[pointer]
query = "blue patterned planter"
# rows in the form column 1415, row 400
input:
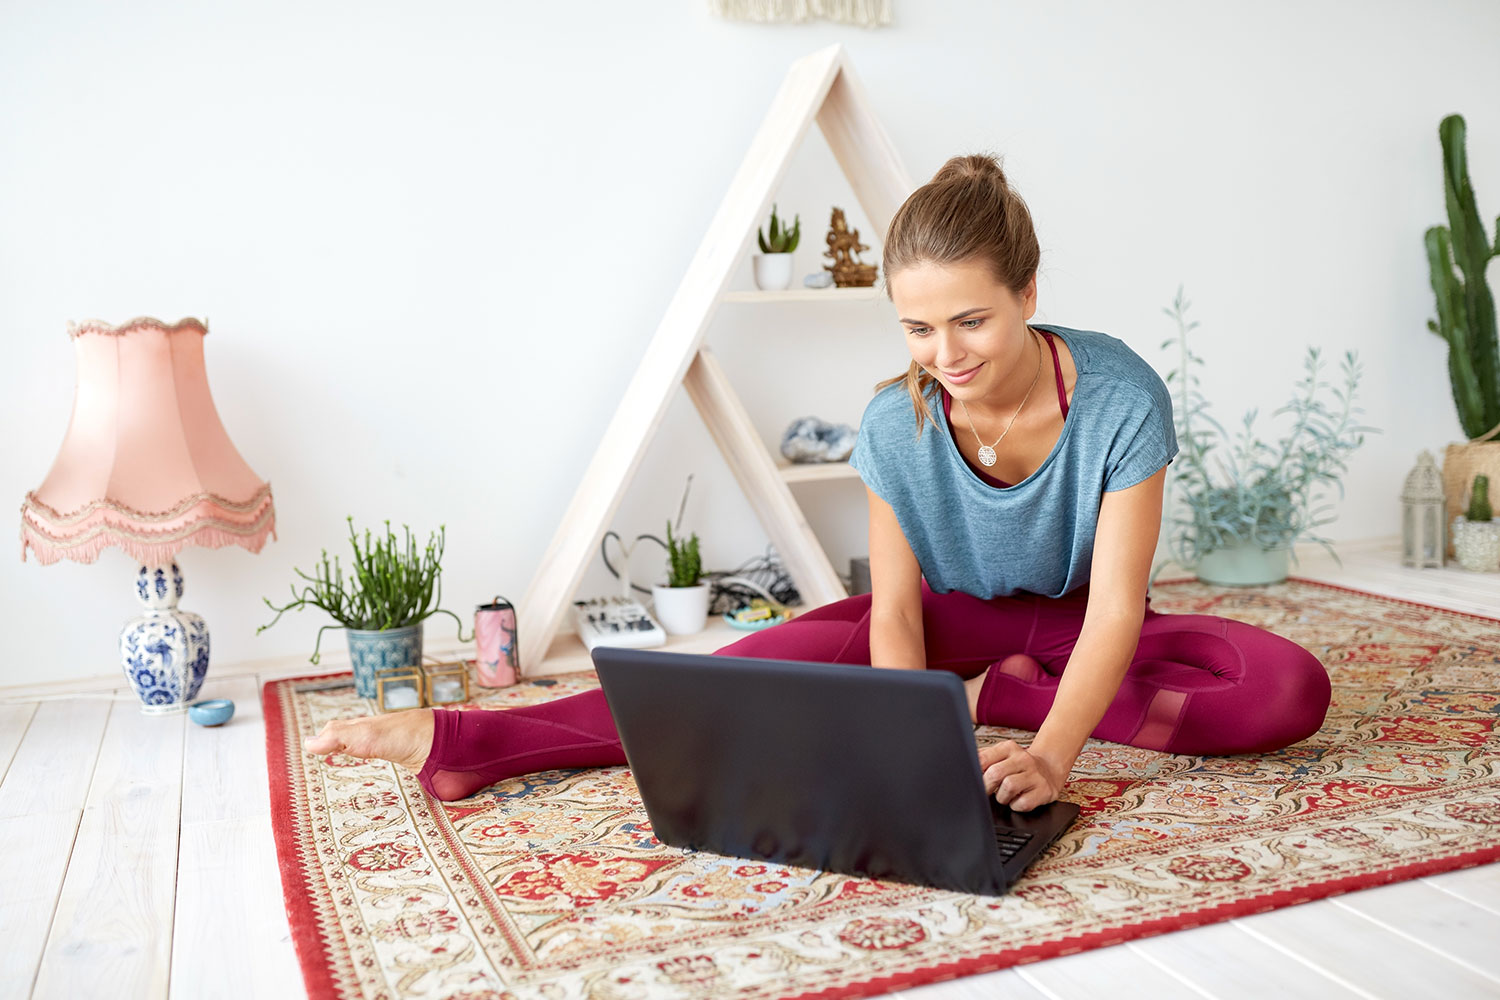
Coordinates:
column 164, row 652
column 374, row 650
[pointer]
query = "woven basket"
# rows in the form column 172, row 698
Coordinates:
column 1461, row 463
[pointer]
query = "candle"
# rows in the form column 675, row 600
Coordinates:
column 447, row 690
column 401, row 697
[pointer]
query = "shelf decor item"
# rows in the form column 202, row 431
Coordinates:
column 1476, row 536
column 773, row 265
column 1243, row 522
column 843, row 248
column 401, row 687
column 498, row 663
column 1466, row 320
column 1422, row 537
column 447, row 683
column 809, row 439
column 393, row 589
column 146, row 465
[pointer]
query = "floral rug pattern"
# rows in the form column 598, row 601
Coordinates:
column 552, row 886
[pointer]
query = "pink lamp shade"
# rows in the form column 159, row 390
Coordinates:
column 146, row 464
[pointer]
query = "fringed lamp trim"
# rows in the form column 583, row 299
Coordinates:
column 154, row 548
column 132, row 326
column 82, row 513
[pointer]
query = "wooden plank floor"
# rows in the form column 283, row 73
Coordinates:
column 145, row 868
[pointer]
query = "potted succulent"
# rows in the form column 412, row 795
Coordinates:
column 681, row 604
column 1476, row 537
column 393, row 588
column 1466, row 320
column 1244, row 517
column 773, row 265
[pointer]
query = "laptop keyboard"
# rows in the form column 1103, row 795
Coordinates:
column 1010, row 842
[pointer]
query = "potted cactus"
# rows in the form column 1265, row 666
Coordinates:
column 392, row 589
column 1457, row 255
column 773, row 265
column 681, row 603
column 1476, row 536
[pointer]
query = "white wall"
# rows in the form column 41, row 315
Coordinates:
column 433, row 241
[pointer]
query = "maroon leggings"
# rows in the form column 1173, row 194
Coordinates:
column 1197, row 684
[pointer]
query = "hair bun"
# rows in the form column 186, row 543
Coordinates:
column 974, row 166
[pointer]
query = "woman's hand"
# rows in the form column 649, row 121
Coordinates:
column 1019, row 778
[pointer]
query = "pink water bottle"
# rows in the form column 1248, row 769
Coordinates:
column 495, row 635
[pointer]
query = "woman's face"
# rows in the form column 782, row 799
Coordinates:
column 966, row 329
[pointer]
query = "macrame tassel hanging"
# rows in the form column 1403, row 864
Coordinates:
column 865, row 13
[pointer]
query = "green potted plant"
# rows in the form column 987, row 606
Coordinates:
column 681, row 604
column 1466, row 320
column 1244, row 517
column 1476, row 537
column 393, row 589
column 773, row 265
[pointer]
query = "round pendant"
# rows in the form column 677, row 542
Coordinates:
column 987, row 455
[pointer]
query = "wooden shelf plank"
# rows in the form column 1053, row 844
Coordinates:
column 805, row 295
column 816, row 472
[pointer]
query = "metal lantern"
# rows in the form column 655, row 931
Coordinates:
column 398, row 688
column 447, row 683
column 1422, row 519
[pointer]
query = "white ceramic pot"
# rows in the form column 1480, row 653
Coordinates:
column 681, row 610
column 773, row 271
column 1476, row 544
column 1244, row 564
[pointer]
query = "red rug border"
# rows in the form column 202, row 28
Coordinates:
column 308, row 939
column 312, row 944
column 1347, row 590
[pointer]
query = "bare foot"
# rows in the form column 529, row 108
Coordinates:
column 404, row 738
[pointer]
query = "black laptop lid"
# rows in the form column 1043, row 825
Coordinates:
column 843, row 768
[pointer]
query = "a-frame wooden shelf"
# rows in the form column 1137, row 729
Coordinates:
column 822, row 88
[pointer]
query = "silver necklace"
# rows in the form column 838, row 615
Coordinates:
column 987, row 451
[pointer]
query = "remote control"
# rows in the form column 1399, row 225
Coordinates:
column 616, row 621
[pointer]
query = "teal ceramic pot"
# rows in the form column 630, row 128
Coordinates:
column 1245, row 564
column 374, row 650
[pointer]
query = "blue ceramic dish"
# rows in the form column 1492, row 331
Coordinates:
column 214, row 712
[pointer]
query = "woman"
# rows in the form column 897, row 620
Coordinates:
column 1010, row 544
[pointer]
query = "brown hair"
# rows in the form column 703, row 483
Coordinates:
column 966, row 212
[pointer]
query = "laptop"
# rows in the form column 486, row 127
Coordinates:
column 829, row 766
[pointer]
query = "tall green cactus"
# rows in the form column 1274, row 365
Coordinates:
column 1465, row 307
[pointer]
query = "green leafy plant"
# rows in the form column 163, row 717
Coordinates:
column 1465, row 307
column 1479, row 500
column 783, row 239
column 1258, row 492
column 685, row 567
column 391, row 585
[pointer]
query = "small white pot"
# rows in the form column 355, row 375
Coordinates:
column 681, row 610
column 1477, row 544
column 773, row 271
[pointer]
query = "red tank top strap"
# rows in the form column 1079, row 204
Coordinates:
column 1062, row 392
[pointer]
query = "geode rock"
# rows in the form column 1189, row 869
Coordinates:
column 809, row 439
column 818, row 279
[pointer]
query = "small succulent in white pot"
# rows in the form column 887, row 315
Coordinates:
column 773, row 265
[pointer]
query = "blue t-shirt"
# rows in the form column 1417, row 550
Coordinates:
column 1038, row 535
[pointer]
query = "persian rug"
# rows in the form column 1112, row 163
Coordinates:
column 552, row 885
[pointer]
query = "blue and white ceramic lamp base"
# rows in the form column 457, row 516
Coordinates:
column 164, row 652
